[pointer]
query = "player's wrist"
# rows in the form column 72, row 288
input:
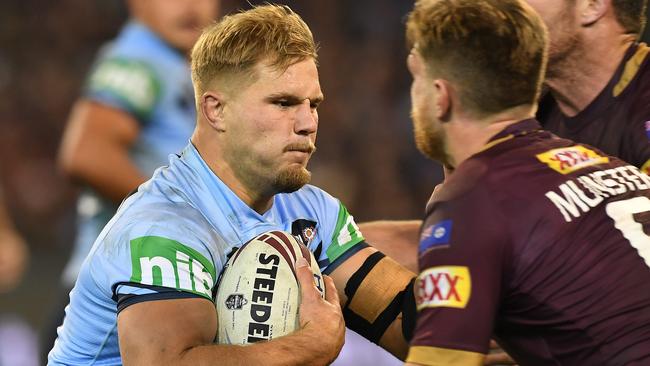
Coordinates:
column 318, row 345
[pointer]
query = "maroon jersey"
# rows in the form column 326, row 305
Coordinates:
column 541, row 242
column 618, row 120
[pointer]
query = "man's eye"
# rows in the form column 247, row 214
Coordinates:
column 282, row 103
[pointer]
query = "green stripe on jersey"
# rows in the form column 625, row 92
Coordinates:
column 164, row 262
column 132, row 82
column 346, row 234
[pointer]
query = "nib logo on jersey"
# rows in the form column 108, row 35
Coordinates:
column 445, row 286
column 159, row 261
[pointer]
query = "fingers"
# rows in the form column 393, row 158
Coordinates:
column 331, row 295
column 308, row 286
column 306, row 280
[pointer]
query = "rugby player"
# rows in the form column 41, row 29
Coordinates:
column 148, row 281
column 590, row 98
column 535, row 238
column 598, row 76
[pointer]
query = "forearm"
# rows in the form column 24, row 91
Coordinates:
column 393, row 340
column 294, row 349
column 376, row 295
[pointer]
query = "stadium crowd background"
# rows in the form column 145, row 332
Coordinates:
column 366, row 155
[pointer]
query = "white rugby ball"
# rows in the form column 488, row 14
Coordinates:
column 258, row 293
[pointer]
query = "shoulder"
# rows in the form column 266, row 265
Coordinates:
column 134, row 70
column 149, row 234
column 148, row 215
column 162, row 207
column 516, row 169
column 130, row 83
column 636, row 74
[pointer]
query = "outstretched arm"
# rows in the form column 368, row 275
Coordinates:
column 396, row 239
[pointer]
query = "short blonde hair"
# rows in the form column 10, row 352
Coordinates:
column 231, row 48
column 494, row 51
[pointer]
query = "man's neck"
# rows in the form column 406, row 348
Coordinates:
column 255, row 199
column 468, row 136
column 576, row 81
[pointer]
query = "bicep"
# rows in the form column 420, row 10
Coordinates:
column 161, row 331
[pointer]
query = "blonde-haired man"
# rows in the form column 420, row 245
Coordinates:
column 535, row 238
column 243, row 174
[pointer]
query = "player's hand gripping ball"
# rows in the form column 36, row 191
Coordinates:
column 258, row 295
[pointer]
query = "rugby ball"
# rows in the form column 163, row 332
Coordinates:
column 258, row 295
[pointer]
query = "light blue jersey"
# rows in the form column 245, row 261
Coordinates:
column 171, row 239
column 142, row 75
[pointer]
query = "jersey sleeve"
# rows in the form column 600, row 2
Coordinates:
column 157, row 259
column 126, row 84
column 461, row 255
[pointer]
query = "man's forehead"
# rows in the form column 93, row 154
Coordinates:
column 299, row 78
column 272, row 70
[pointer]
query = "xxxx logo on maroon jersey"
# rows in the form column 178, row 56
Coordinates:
column 445, row 286
column 569, row 159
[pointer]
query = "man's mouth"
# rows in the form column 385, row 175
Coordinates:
column 303, row 148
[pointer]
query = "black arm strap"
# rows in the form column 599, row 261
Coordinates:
column 409, row 311
column 401, row 302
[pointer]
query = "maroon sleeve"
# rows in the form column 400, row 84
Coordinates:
column 463, row 251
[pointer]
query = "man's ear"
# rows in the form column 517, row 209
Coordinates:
column 212, row 108
column 590, row 11
column 442, row 99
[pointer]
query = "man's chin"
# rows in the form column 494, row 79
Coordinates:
column 292, row 179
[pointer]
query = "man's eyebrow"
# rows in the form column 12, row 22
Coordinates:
column 294, row 98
